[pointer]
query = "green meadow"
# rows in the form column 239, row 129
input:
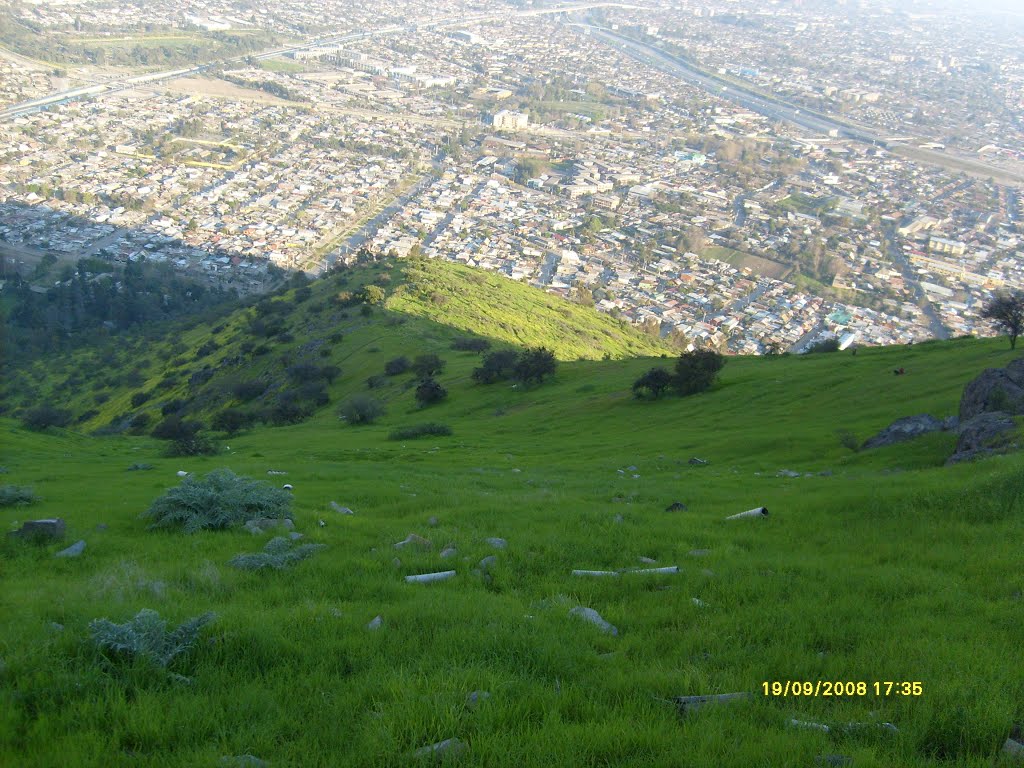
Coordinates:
column 873, row 566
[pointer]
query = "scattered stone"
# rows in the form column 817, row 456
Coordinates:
column 397, row 563
column 443, row 749
column 448, row 551
column 73, row 551
column 496, row 542
column 676, row 506
column 433, row 522
column 688, row 704
column 517, row 470
column 593, row 617
column 579, row 572
column 488, row 561
column 288, row 487
column 981, row 435
column 243, row 761
column 276, row 472
column 182, row 473
column 665, row 569
column 825, row 473
column 648, row 560
column 263, row 524
column 698, row 462
column 102, row 527
column 708, row 572
column 631, row 468
column 995, row 389
column 636, row 477
column 621, row 471
column 833, row 760
column 618, row 519
column 787, row 473
column 904, row 429
column 475, row 697
column 376, row 623
column 755, row 512
column 295, row 535
column 52, row 528
column 56, row 627
column 699, row 552
column 426, row 578
column 340, row 509
column 698, row 602
column 415, row 541
column 807, row 725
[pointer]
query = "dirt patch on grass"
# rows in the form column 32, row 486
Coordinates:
column 208, row 86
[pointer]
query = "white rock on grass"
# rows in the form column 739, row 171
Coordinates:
column 415, row 541
column 443, row 749
column 340, row 509
column 475, row 697
column 591, row 616
column 448, row 551
column 496, row 542
column 73, row 551
column 488, row 561
column 376, row 623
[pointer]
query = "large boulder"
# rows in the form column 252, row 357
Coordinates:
column 996, row 389
column 41, row 530
column 982, row 435
column 906, row 428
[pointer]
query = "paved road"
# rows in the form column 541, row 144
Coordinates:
column 910, row 278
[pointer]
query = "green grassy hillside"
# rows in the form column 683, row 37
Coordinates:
column 201, row 364
column 872, row 566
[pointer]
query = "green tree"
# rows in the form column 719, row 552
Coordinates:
column 534, row 365
column 430, row 391
column 696, row 371
column 1007, row 312
column 652, row 384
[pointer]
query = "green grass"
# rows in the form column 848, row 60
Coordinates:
column 892, row 567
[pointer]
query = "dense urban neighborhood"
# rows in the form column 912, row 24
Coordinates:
column 579, row 149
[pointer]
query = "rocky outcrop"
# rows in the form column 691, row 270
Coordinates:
column 983, row 434
column 996, row 389
column 906, row 428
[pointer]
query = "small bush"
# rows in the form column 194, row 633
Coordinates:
column 497, row 366
column 175, row 428
column 427, row 365
column 396, row 366
column 535, row 364
column 429, row 392
column 147, row 636
column 376, row 381
column 361, row 409
column 652, row 384
column 139, row 467
column 140, row 423
column 46, row 416
column 696, row 371
column 219, row 500
column 420, row 430
column 828, row 345
column 232, row 420
column 16, row 496
column 140, row 397
column 194, row 445
column 848, row 439
column 279, row 553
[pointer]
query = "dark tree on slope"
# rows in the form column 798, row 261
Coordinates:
column 430, row 391
column 427, row 365
column 497, row 366
column 652, row 384
column 535, row 364
column 696, row 371
column 1007, row 312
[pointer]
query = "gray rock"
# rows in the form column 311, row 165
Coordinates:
column 443, row 749
column 631, row 468
column 787, row 473
column 950, row 422
column 50, row 529
column 591, row 616
column 688, row 704
column 982, row 430
column 412, row 540
column 995, row 389
column 475, row 697
column 340, row 509
column 1014, row 750
column 448, row 551
column 488, row 561
column 618, row 519
column 825, row 473
column 102, row 527
column 294, row 535
column 698, row 462
column 432, row 522
column 676, row 506
column 699, row 552
column 496, row 542
column 904, row 429
column 56, row 627
column 648, row 560
column 263, row 524
column 73, row 551
column 376, row 623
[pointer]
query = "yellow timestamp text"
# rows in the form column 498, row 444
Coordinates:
column 813, row 688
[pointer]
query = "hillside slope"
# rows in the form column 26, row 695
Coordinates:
column 200, row 367
column 873, row 566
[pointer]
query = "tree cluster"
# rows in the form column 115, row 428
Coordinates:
column 527, row 367
column 694, row 372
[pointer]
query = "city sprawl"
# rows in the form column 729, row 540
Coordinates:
column 619, row 155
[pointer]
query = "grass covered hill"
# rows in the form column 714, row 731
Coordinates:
column 258, row 359
column 872, row 566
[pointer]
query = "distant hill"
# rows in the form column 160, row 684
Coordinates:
column 259, row 359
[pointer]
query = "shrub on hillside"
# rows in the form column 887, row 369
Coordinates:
column 16, row 496
column 279, row 553
column 652, row 384
column 470, row 344
column 534, row 365
column 233, row 420
column 497, row 366
column 373, row 294
column 376, row 381
column 139, row 398
column 147, row 636
column 139, row 423
column 827, row 345
column 429, row 392
column 420, row 430
column 173, row 427
column 696, row 371
column 46, row 416
column 194, row 445
column 427, row 365
column 217, row 501
column 361, row 409
column 396, row 366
